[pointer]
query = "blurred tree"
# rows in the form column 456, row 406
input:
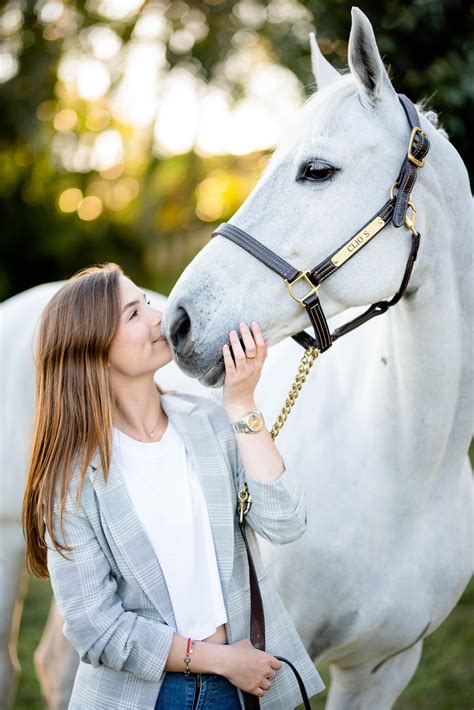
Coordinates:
column 95, row 164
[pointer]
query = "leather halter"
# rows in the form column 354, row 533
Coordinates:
column 394, row 211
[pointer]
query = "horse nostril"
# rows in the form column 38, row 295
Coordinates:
column 180, row 329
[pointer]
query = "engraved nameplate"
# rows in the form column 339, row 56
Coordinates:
column 364, row 236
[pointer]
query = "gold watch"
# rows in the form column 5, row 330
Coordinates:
column 252, row 422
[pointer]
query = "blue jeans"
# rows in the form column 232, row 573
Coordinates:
column 197, row 691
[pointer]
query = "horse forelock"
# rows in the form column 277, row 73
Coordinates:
column 328, row 111
column 323, row 112
column 328, row 104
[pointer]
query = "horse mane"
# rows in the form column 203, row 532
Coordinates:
column 432, row 116
column 331, row 100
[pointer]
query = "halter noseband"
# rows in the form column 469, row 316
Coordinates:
column 395, row 210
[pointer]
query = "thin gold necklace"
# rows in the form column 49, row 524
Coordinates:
column 151, row 435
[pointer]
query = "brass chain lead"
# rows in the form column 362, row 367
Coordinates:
column 307, row 361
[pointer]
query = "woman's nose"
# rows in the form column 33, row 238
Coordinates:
column 156, row 318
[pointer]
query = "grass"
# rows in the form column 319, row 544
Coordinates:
column 443, row 681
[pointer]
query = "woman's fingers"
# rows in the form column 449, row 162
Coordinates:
column 254, row 343
column 243, row 361
column 228, row 360
column 249, row 343
column 237, row 350
column 259, row 340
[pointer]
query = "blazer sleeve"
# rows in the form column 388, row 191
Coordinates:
column 95, row 621
column 278, row 510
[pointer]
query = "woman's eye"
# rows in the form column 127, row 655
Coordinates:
column 148, row 302
column 135, row 313
column 316, row 171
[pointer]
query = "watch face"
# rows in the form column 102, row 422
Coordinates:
column 254, row 422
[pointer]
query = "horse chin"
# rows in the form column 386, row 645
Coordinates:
column 214, row 377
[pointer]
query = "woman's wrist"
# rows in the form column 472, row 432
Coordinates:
column 222, row 659
column 210, row 658
column 237, row 409
column 206, row 657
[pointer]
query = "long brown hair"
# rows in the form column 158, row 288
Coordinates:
column 73, row 415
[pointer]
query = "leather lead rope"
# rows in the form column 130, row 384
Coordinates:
column 257, row 623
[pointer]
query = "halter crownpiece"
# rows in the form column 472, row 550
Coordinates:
column 394, row 211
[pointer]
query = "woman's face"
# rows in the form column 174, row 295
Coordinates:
column 137, row 347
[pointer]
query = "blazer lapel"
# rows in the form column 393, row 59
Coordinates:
column 131, row 538
column 214, row 475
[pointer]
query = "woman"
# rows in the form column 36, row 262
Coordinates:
column 130, row 509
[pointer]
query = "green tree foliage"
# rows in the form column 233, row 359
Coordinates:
column 152, row 211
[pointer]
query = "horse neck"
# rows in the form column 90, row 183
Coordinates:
column 403, row 380
column 423, row 396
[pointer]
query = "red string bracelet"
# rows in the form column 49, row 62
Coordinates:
column 187, row 658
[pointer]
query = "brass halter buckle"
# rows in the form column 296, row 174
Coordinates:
column 313, row 288
column 410, row 221
column 410, row 156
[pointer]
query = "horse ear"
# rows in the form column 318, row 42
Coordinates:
column 365, row 61
column 324, row 73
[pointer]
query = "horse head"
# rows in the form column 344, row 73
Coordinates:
column 331, row 173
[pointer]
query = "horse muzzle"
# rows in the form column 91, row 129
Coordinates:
column 193, row 357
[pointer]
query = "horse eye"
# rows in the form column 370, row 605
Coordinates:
column 316, row 171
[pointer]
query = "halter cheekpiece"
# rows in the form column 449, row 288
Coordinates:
column 398, row 210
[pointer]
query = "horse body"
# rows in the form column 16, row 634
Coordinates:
column 379, row 437
column 388, row 492
column 381, row 430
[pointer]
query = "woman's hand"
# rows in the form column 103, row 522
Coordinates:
column 248, row 668
column 242, row 371
column 260, row 457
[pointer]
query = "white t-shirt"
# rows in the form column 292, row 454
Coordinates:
column 168, row 499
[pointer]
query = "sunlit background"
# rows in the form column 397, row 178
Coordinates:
column 129, row 129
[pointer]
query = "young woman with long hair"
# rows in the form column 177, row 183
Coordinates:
column 129, row 508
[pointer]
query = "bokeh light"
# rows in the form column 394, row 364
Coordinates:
column 70, row 199
column 89, row 208
column 65, row 119
column 51, row 11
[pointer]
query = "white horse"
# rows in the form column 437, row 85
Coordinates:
column 381, row 432
column 388, row 490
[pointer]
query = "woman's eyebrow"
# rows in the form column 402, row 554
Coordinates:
column 133, row 303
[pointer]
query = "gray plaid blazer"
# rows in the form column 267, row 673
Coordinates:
column 112, row 594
